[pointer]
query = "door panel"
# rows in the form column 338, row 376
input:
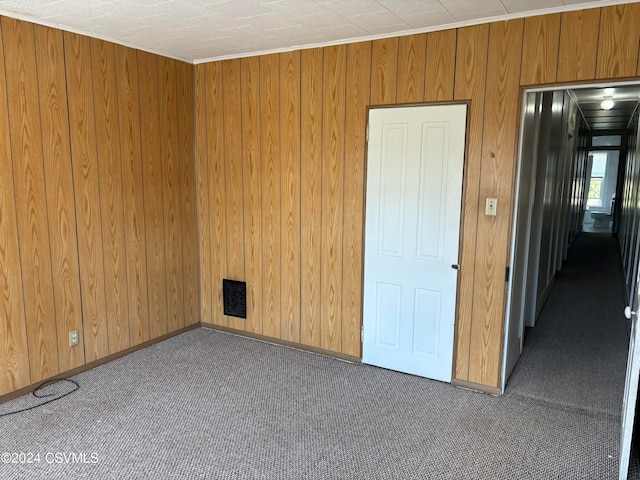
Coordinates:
column 414, row 192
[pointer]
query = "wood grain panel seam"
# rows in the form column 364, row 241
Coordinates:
column 204, row 149
column 478, row 213
column 99, row 221
column 144, row 209
column 73, row 186
column 15, row 203
column 598, row 43
column 125, row 252
column 395, row 92
column 44, row 176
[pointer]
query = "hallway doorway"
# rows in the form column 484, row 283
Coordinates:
column 577, row 182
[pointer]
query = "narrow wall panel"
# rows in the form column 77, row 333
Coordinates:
column 384, row 71
column 14, row 351
column 203, row 186
column 578, row 45
column 252, row 189
column 103, row 72
column 496, row 180
column 233, row 161
column 471, row 70
column 358, row 87
column 618, row 41
column 31, row 203
column 440, row 66
column 271, row 194
column 333, row 129
column 219, row 209
column 540, row 49
column 153, row 193
column 56, row 147
column 311, row 204
column 171, row 180
column 412, row 51
column 290, row 177
column 87, row 194
column 133, row 193
column 187, row 192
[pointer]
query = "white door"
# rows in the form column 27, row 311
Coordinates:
column 412, row 226
column 631, row 382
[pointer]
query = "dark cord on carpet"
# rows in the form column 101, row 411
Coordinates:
column 36, row 393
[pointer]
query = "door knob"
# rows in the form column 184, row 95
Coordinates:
column 628, row 313
column 455, row 266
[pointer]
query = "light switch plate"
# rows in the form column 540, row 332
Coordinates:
column 491, row 208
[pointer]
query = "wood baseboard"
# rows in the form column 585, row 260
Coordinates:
column 276, row 341
column 96, row 363
column 476, row 387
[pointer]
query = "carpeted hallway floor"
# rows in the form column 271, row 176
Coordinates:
column 209, row 405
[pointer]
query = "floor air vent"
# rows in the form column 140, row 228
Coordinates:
column 234, row 296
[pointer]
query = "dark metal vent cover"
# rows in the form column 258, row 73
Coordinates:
column 234, row 298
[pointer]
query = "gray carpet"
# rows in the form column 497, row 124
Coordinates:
column 577, row 353
column 209, row 405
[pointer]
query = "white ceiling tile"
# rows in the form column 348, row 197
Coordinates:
column 429, row 19
column 348, row 8
column 197, row 29
column 460, row 8
column 324, row 20
column 477, row 16
column 519, row 6
column 298, row 8
column 411, row 7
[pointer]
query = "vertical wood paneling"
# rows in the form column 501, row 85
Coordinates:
column 233, row 155
column 252, row 188
column 471, row 70
column 87, row 194
column 540, row 49
column 153, row 192
column 290, row 178
column 496, row 180
column 440, row 66
column 133, row 195
column 412, row 52
column 578, row 45
column 14, row 352
column 618, row 41
column 31, row 203
column 271, row 194
column 333, row 128
column 358, row 87
column 56, row 147
column 73, row 224
column 187, row 192
column 311, row 203
column 107, row 134
column 171, row 179
column 221, row 203
column 204, row 185
column 384, row 71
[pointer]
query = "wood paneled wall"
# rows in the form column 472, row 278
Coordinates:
column 280, row 162
column 97, row 200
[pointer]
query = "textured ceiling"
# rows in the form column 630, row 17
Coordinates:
column 626, row 99
column 199, row 30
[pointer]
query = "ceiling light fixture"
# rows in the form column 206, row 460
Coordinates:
column 607, row 103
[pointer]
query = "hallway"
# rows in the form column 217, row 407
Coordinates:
column 577, row 353
column 575, row 357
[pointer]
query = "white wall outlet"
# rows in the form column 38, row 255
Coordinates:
column 491, row 208
column 74, row 338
